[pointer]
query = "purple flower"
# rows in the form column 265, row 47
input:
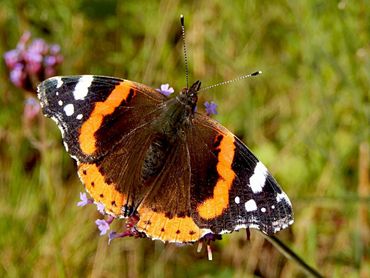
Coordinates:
column 84, row 200
column 165, row 90
column 17, row 75
column 101, row 208
column 11, row 58
column 38, row 46
column 31, row 109
column 50, row 60
column 54, row 49
column 211, row 108
column 103, row 226
column 32, row 61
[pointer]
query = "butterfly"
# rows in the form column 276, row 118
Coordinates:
column 141, row 153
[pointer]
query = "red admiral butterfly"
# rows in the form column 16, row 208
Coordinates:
column 145, row 154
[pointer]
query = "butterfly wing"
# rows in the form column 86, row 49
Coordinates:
column 230, row 187
column 87, row 108
column 103, row 119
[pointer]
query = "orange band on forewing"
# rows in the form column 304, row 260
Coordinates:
column 214, row 206
column 101, row 109
column 99, row 190
column 177, row 229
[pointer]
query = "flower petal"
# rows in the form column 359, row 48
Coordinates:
column 103, row 226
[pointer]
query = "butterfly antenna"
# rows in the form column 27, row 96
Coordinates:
column 185, row 52
column 231, row 80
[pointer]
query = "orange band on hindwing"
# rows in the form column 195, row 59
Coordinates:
column 215, row 206
column 101, row 191
column 177, row 229
column 93, row 123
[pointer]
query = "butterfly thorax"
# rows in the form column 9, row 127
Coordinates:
column 169, row 129
column 177, row 113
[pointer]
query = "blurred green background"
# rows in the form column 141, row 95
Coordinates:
column 306, row 118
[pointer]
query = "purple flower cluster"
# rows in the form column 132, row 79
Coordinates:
column 32, row 61
column 103, row 225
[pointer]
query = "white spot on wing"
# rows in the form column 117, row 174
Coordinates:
column 243, row 226
column 60, row 102
column 79, row 116
column 82, row 87
column 59, row 82
column 258, row 179
column 250, row 205
column 263, row 209
column 69, row 109
column 237, row 200
column 282, row 196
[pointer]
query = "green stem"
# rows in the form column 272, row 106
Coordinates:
column 290, row 254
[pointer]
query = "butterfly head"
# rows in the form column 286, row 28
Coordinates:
column 189, row 96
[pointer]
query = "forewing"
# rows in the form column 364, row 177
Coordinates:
column 95, row 112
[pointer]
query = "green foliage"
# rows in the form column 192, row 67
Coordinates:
column 305, row 117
